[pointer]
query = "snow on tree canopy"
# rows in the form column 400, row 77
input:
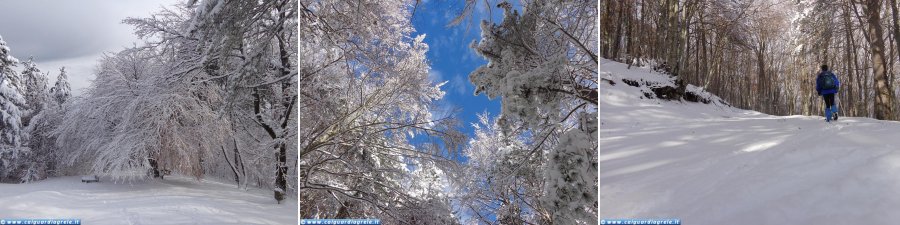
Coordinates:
column 541, row 67
column 362, row 64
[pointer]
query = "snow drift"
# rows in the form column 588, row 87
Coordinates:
column 714, row 164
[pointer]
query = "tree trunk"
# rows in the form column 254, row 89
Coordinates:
column 703, row 69
column 287, row 102
column 884, row 95
column 860, row 103
column 629, row 27
column 238, row 159
column 154, row 167
column 618, row 33
column 639, row 47
column 281, row 173
column 848, row 42
column 896, row 26
column 604, row 30
column 761, row 77
column 237, row 179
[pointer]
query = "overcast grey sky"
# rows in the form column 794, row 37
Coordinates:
column 73, row 34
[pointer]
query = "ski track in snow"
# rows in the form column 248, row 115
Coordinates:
column 711, row 164
column 175, row 200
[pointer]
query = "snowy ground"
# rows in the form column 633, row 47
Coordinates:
column 175, row 200
column 709, row 164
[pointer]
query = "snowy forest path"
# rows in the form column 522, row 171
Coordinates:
column 175, row 200
column 716, row 164
column 710, row 165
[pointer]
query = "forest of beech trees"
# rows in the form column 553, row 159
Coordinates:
column 212, row 92
column 764, row 55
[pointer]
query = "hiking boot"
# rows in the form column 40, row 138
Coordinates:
column 834, row 111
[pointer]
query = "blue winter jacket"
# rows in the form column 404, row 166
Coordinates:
column 837, row 83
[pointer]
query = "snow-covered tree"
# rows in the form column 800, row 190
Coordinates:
column 26, row 147
column 429, row 185
column 541, row 64
column 202, row 97
column 12, row 108
column 41, row 163
column 11, row 100
column 570, row 174
column 363, row 67
column 35, row 86
column 536, row 63
column 7, row 62
column 135, row 117
column 248, row 46
column 42, row 141
column 500, row 173
column 61, row 90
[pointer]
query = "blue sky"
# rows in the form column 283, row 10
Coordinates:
column 451, row 58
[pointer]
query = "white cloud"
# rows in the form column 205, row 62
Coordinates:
column 435, row 76
column 54, row 30
column 469, row 56
column 73, row 34
column 459, row 84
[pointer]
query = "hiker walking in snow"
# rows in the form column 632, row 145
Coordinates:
column 827, row 85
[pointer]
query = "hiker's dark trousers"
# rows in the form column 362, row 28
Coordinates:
column 829, row 100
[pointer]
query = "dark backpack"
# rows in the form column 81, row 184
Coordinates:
column 827, row 81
